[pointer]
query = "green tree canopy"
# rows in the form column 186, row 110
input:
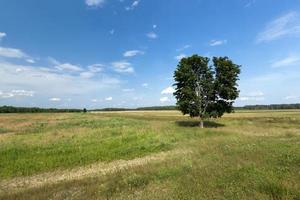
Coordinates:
column 205, row 89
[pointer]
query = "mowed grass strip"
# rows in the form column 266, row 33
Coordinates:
column 225, row 167
column 77, row 142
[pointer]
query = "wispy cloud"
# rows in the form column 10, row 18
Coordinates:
column 253, row 96
column 145, row 85
column 16, row 93
column 94, row 3
column 69, row 67
column 291, row 60
column 39, row 79
column 55, row 99
column 128, row 90
column 151, row 35
column 132, row 53
column 168, row 90
column 30, row 60
column 292, row 97
column 184, row 47
column 164, row 99
column 95, row 68
column 284, row 26
column 2, row 35
column 87, row 74
column 133, row 5
column 122, row 67
column 64, row 66
column 12, row 53
column 217, row 42
column 108, row 99
column 179, row 57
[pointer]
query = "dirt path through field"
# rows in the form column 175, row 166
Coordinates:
column 97, row 169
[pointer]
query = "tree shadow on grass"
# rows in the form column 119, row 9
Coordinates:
column 207, row 124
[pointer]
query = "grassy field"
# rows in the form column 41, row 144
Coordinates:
column 150, row 155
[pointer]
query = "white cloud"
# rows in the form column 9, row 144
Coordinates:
column 108, row 99
column 69, row 67
column 288, row 61
column 164, row 99
column 53, row 61
column 168, row 90
column 87, row 74
column 123, row 67
column 16, row 93
column 4, row 95
column 95, row 68
column 64, row 66
column 217, row 42
column 12, row 53
column 94, row 3
column 145, row 84
column 133, row 5
column 132, row 53
column 29, row 60
column 292, row 97
column 179, row 57
column 20, row 70
column 94, row 100
column 154, row 26
column 128, row 90
column 253, row 96
column 184, row 47
column 151, row 35
column 2, row 35
column 286, row 25
column 55, row 99
column 46, row 81
column 15, row 53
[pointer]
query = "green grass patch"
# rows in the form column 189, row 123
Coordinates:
column 241, row 156
column 4, row 130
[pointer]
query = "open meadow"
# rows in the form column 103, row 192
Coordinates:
column 150, row 155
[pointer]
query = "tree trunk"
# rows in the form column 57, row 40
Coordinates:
column 201, row 125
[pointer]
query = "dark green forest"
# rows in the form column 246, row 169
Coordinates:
column 12, row 109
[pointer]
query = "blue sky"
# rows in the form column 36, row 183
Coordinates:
column 122, row 53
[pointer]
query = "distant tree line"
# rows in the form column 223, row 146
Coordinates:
column 270, row 107
column 12, row 109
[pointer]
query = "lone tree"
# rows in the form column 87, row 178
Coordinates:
column 206, row 90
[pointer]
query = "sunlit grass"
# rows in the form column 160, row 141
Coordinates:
column 245, row 155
